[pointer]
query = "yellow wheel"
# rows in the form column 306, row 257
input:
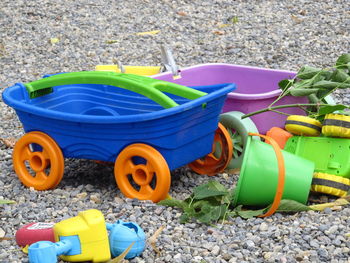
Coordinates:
column 330, row 184
column 216, row 161
column 336, row 125
column 303, row 125
column 141, row 172
column 38, row 161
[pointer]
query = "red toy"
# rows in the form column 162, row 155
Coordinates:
column 35, row 232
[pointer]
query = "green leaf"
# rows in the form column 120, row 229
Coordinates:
column 302, row 92
column 173, row 203
column 304, row 87
column 205, row 218
column 285, row 84
column 184, row 218
column 292, row 206
column 216, row 185
column 322, row 93
column 340, row 75
column 343, row 61
column 214, row 214
column 303, row 84
column 231, row 194
column 212, row 188
column 326, row 74
column 238, row 211
column 331, row 108
column 326, row 84
column 4, row 201
column 203, row 211
column 218, row 213
column 308, row 72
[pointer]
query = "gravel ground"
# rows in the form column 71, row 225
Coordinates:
column 272, row 34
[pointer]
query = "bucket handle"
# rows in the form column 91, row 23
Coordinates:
column 281, row 174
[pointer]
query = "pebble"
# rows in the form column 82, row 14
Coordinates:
column 269, row 34
column 263, row 227
column 2, row 233
column 215, row 250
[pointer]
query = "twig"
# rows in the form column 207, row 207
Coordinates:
column 153, row 239
column 281, row 107
column 280, row 112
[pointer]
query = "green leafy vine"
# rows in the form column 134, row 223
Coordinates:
column 316, row 84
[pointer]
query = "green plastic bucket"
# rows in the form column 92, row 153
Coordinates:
column 258, row 180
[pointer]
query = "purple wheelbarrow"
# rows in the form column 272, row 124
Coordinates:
column 256, row 89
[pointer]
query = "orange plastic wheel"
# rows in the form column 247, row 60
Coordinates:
column 38, row 161
column 141, row 172
column 216, row 161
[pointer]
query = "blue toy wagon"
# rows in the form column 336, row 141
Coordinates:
column 147, row 127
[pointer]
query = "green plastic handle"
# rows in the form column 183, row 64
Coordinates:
column 148, row 87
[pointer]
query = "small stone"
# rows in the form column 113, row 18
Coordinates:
column 327, row 210
column 238, row 255
column 96, row 198
column 215, row 251
column 314, row 243
column 118, row 200
column 250, row 244
column 177, row 256
column 89, row 187
column 345, row 250
column 263, row 226
column 159, row 210
column 226, row 256
column 196, row 259
column 168, row 258
column 323, row 253
column 331, row 230
column 2, row 233
column 82, row 195
column 268, row 255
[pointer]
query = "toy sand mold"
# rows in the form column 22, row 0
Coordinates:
column 262, row 173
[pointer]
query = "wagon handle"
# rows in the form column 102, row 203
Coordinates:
column 150, row 88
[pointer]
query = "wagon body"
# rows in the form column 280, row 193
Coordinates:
column 91, row 121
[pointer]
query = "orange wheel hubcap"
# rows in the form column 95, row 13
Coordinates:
column 141, row 172
column 44, row 158
column 216, row 161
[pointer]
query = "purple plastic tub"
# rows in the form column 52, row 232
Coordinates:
column 256, row 89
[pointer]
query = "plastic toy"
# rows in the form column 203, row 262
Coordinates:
column 35, row 232
column 330, row 184
column 168, row 64
column 256, row 89
column 336, row 125
column 269, row 174
column 122, row 234
column 85, row 238
column 238, row 130
column 138, row 70
column 121, row 118
column 303, row 125
column 279, row 135
column 330, row 155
